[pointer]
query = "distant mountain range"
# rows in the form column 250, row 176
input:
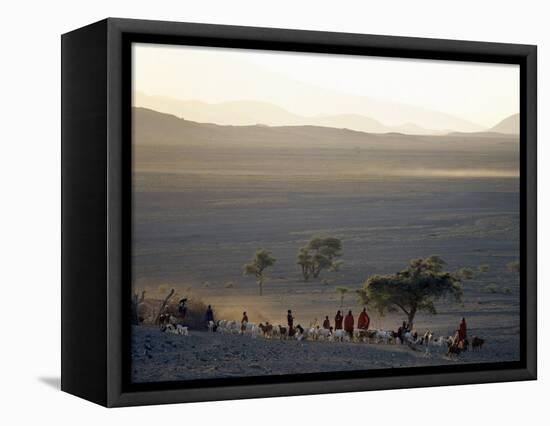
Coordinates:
column 155, row 128
column 509, row 125
column 168, row 144
column 243, row 113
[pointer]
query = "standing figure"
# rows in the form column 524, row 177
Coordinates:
column 290, row 322
column 401, row 331
column 348, row 324
column 209, row 315
column 338, row 321
column 364, row 320
column 326, row 323
column 182, row 309
column 462, row 334
column 244, row 321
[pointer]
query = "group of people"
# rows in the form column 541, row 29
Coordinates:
column 347, row 324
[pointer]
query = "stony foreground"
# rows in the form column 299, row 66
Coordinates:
column 160, row 356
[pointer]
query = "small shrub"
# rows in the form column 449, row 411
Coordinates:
column 484, row 268
column 492, row 288
column 513, row 266
column 465, row 273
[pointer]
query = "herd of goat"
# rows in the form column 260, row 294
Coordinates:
column 316, row 333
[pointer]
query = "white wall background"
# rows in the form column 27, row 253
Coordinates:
column 30, row 210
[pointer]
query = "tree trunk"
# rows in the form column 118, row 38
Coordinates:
column 261, row 284
column 163, row 305
column 411, row 315
column 305, row 273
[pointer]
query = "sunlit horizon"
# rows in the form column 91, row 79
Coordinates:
column 430, row 94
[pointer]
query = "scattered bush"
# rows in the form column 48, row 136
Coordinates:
column 492, row 288
column 465, row 273
column 484, row 268
column 513, row 266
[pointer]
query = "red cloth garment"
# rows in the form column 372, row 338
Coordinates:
column 348, row 323
column 326, row 324
column 462, row 330
column 245, row 319
column 363, row 321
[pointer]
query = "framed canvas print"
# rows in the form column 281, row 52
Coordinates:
column 253, row 212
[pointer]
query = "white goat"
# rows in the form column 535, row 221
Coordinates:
column 323, row 333
column 339, row 335
column 181, row 330
column 177, row 329
column 384, row 336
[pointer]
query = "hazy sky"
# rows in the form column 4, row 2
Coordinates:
column 482, row 94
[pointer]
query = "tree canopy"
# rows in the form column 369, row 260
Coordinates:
column 262, row 260
column 414, row 289
column 319, row 254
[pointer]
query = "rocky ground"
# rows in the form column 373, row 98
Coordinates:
column 160, row 356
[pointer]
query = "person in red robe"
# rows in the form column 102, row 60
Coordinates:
column 364, row 320
column 338, row 321
column 326, row 323
column 462, row 335
column 348, row 324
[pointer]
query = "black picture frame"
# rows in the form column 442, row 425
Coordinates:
column 96, row 210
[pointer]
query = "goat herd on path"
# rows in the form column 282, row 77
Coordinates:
column 413, row 340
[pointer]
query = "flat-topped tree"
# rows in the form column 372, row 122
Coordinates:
column 319, row 254
column 415, row 289
column 262, row 260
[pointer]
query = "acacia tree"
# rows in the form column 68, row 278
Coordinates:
column 415, row 289
column 342, row 291
column 319, row 254
column 262, row 260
